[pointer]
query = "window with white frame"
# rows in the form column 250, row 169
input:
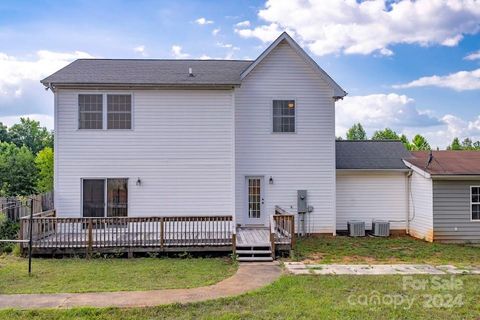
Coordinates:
column 105, row 197
column 119, row 111
column 283, row 116
column 475, row 202
column 90, row 111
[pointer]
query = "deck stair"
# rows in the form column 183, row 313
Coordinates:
column 253, row 245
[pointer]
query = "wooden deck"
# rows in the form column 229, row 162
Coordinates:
column 51, row 234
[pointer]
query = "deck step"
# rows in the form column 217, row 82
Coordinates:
column 254, row 259
column 255, row 245
column 240, row 252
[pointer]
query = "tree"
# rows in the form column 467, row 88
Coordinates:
column 467, row 144
column 386, row 134
column 44, row 163
column 455, row 145
column 419, row 142
column 4, row 137
column 29, row 133
column 18, row 174
column 356, row 132
column 405, row 142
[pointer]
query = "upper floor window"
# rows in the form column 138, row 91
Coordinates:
column 283, row 116
column 119, row 111
column 90, row 111
column 475, row 202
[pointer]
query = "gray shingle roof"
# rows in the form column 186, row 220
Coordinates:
column 149, row 72
column 370, row 155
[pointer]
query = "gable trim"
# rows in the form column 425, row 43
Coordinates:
column 338, row 92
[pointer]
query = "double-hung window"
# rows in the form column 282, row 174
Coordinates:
column 90, row 111
column 100, row 111
column 284, row 116
column 475, row 203
column 119, row 111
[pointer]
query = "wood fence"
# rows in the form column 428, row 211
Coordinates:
column 17, row 207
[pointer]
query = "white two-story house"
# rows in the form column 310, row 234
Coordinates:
column 196, row 137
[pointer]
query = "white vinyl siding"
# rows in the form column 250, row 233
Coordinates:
column 181, row 149
column 301, row 161
column 369, row 196
column 421, row 207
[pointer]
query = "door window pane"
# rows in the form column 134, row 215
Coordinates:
column 93, row 198
column 254, row 198
column 117, row 197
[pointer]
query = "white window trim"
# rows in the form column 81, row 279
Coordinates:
column 105, row 111
column 105, row 191
column 472, row 203
column 271, row 115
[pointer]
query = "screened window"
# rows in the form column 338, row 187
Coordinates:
column 119, row 111
column 475, row 202
column 90, row 108
column 105, row 197
column 283, row 116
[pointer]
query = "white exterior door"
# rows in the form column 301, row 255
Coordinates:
column 255, row 201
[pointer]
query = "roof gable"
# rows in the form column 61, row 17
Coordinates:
column 337, row 90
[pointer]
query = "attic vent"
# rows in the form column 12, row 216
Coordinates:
column 190, row 72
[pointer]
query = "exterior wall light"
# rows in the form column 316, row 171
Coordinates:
column 270, row 181
column 139, row 182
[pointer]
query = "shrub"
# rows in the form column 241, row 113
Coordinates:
column 8, row 230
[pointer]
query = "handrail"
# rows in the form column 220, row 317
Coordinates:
column 174, row 231
column 284, row 226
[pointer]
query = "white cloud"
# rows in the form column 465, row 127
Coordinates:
column 140, row 50
column 45, row 120
column 400, row 113
column 205, row 57
column 14, row 71
column 216, row 31
column 177, row 52
column 227, row 46
column 459, row 81
column 365, row 27
column 202, row 21
column 473, row 56
column 243, row 24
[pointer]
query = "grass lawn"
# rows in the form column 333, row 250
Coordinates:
column 81, row 275
column 396, row 249
column 306, row 297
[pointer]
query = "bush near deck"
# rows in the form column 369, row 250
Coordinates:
column 303, row 297
column 395, row 249
column 81, row 275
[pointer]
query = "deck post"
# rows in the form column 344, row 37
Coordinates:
column 90, row 238
column 234, row 243
column 292, row 245
column 162, row 232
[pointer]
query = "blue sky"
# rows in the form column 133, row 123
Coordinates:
column 378, row 52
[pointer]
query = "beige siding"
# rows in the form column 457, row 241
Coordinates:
column 369, row 196
column 421, row 207
column 303, row 160
column 181, row 147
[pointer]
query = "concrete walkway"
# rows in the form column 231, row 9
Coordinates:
column 249, row 276
column 378, row 269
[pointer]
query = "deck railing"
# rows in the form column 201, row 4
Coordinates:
column 282, row 226
column 90, row 233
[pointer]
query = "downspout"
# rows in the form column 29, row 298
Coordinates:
column 408, row 181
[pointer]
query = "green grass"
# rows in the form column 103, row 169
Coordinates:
column 400, row 249
column 81, row 275
column 300, row 297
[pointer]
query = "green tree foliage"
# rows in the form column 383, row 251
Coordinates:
column 419, row 142
column 44, row 163
column 405, row 142
column 29, row 133
column 18, row 173
column 455, row 145
column 356, row 132
column 4, row 137
column 386, row 134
